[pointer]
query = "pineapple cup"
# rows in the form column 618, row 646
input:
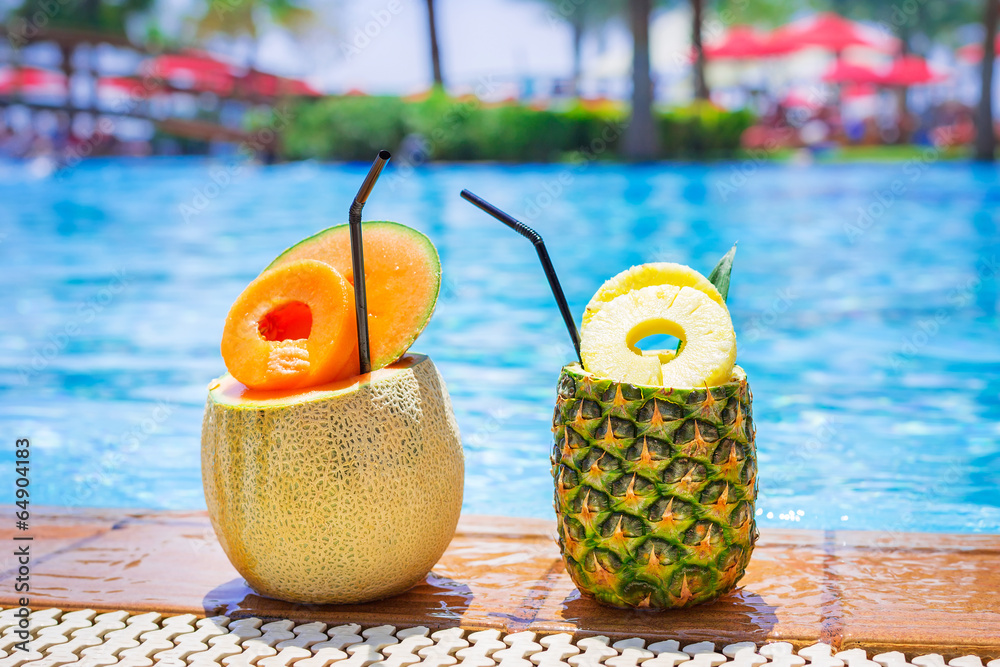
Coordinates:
column 654, row 488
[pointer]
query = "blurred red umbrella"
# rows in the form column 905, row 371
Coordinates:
column 857, row 90
column 191, row 61
column 801, row 100
column 123, row 85
column 271, row 85
column 193, row 71
column 198, row 71
column 31, row 81
column 973, row 53
column 740, row 42
column 845, row 72
column 828, row 31
column 970, row 53
column 118, row 84
column 910, row 70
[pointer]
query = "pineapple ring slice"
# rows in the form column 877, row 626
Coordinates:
column 647, row 275
column 608, row 340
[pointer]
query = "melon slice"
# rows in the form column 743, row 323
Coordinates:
column 293, row 326
column 402, row 281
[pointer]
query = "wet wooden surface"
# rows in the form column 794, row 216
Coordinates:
column 912, row 592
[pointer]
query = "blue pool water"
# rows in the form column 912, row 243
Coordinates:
column 864, row 299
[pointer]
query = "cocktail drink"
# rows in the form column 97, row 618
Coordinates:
column 331, row 459
column 346, row 492
column 654, row 460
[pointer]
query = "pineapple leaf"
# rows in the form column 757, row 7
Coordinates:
column 720, row 274
column 720, row 278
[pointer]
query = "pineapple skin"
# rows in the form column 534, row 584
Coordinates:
column 654, row 489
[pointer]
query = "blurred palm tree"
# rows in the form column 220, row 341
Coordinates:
column 641, row 140
column 243, row 18
column 435, row 47
column 729, row 13
column 698, row 51
column 698, row 9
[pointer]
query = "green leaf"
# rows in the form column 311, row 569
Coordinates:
column 720, row 278
column 720, row 274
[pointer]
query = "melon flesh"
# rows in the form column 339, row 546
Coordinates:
column 402, row 281
column 342, row 493
column 293, row 326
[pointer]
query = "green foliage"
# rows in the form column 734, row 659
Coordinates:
column 506, row 133
column 354, row 128
column 448, row 126
column 243, row 17
column 761, row 13
column 97, row 15
column 702, row 130
column 345, row 128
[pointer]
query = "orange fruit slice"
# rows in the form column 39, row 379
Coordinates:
column 402, row 281
column 293, row 326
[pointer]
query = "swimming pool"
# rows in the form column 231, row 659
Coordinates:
column 864, row 298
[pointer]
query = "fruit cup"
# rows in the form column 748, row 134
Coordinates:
column 654, row 461
column 654, row 488
column 347, row 492
column 331, row 459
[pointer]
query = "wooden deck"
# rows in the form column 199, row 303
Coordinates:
column 916, row 593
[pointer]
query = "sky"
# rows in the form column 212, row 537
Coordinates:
column 506, row 47
column 382, row 45
column 518, row 46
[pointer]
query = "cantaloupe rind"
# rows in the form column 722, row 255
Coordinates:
column 344, row 493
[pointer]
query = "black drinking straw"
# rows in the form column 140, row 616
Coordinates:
column 358, row 261
column 543, row 256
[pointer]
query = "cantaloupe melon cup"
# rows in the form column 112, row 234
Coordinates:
column 325, row 486
column 343, row 493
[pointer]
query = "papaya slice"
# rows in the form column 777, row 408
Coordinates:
column 402, row 281
column 294, row 326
